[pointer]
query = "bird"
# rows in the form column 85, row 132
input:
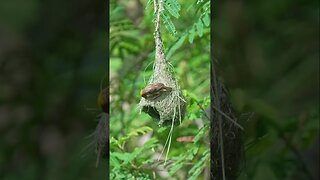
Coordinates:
column 103, row 100
column 155, row 90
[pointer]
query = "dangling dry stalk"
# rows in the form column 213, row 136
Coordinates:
column 99, row 139
column 170, row 107
column 102, row 137
column 101, row 134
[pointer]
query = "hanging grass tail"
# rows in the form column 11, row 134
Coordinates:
column 101, row 133
column 226, row 143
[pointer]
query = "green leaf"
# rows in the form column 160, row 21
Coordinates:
column 136, row 132
column 168, row 23
column 201, row 133
column 196, row 170
column 161, row 129
column 175, row 4
column 183, row 158
column 125, row 157
column 175, row 168
column 193, row 116
column 199, row 26
column 114, row 162
column 192, row 96
column 172, row 8
column 191, row 34
column 148, row 3
column 192, row 152
column 177, row 45
column 142, row 131
column 206, row 19
column 147, row 146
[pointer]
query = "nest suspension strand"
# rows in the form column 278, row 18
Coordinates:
column 168, row 106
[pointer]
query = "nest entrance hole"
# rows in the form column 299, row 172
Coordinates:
column 152, row 111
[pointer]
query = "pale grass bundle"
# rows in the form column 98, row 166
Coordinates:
column 171, row 108
column 168, row 109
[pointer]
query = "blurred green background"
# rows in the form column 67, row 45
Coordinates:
column 52, row 60
column 268, row 57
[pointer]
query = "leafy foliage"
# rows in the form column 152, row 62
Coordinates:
column 170, row 8
column 203, row 21
column 123, row 35
column 136, row 141
column 199, row 27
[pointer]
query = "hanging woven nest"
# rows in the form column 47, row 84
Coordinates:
column 162, row 98
column 168, row 107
